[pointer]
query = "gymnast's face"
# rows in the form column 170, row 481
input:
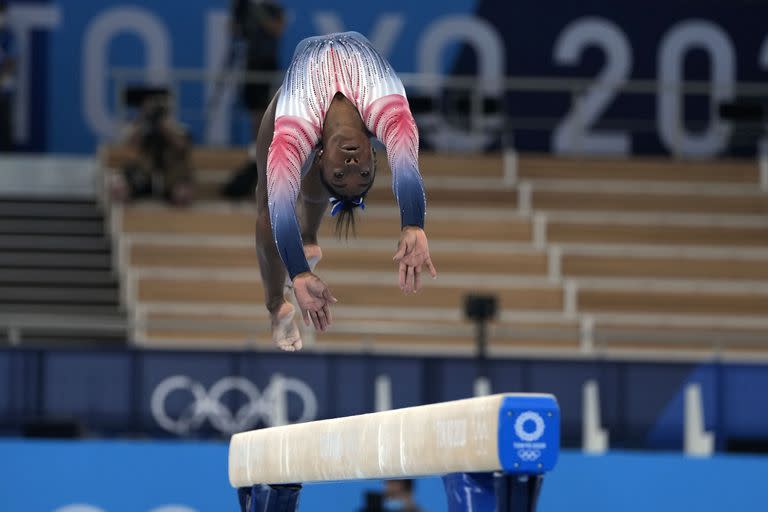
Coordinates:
column 347, row 163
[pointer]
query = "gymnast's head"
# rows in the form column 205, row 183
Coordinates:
column 347, row 163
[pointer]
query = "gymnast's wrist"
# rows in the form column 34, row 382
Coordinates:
column 307, row 273
column 298, row 270
column 411, row 220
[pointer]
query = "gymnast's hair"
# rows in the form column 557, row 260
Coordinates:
column 345, row 218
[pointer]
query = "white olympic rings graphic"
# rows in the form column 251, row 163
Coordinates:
column 207, row 405
column 529, row 455
column 538, row 430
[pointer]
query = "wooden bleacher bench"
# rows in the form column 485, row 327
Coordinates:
column 610, row 232
column 625, row 244
column 637, row 169
column 670, row 301
column 558, row 200
column 381, row 223
column 597, row 265
column 336, row 258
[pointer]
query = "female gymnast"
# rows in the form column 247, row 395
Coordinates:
column 314, row 143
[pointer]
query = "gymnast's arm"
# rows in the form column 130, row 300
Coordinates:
column 282, row 147
column 390, row 119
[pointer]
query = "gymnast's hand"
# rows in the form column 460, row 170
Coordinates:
column 412, row 254
column 315, row 300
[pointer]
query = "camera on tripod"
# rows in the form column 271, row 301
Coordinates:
column 152, row 104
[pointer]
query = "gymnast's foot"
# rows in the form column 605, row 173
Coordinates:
column 285, row 333
column 314, row 254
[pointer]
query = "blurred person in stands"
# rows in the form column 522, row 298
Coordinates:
column 257, row 26
column 159, row 151
column 315, row 144
column 7, row 79
column 398, row 496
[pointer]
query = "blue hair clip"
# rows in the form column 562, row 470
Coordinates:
column 338, row 204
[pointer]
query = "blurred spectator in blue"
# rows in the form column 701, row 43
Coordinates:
column 257, row 26
column 7, row 79
column 398, row 496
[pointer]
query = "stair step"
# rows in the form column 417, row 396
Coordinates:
column 57, row 286
column 38, row 276
column 54, row 308
column 30, row 338
column 58, row 260
column 54, row 243
column 81, row 227
column 46, row 294
column 59, row 209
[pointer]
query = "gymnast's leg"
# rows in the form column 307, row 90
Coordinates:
column 314, row 202
column 285, row 333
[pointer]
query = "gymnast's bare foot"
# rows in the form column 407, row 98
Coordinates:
column 285, row 332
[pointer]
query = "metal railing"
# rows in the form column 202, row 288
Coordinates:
column 500, row 122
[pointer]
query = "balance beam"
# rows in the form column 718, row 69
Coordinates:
column 509, row 434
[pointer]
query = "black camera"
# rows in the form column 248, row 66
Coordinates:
column 137, row 96
column 156, row 114
column 152, row 103
column 480, row 307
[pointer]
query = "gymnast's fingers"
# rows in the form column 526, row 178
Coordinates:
column 328, row 316
column 328, row 296
column 402, row 248
column 417, row 279
column 315, row 320
column 409, row 279
column 323, row 319
column 431, row 268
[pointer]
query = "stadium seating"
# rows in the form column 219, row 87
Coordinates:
column 56, row 277
column 614, row 256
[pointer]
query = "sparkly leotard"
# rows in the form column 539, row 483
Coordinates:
column 322, row 66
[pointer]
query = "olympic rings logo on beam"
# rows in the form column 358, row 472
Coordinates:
column 208, row 405
column 528, row 455
column 538, row 428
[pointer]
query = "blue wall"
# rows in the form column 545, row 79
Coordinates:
column 146, row 476
column 133, row 392
column 653, row 40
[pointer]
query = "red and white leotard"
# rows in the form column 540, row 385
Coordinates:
column 322, row 66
